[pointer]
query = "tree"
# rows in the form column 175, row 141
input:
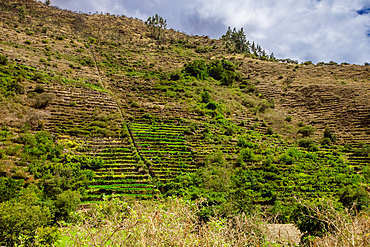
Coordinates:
column 272, row 57
column 22, row 13
column 47, row 2
column 157, row 25
column 237, row 40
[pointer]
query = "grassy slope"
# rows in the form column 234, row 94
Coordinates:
column 135, row 72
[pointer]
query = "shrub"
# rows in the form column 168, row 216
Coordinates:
column 289, row 119
column 328, row 133
column 206, row 97
column 306, row 130
column 3, row 60
column 326, row 141
column 66, row 203
column 264, row 105
column 39, row 88
column 309, row 144
column 147, row 116
column 175, row 76
column 231, row 130
column 21, row 218
column 38, row 77
column 43, row 100
column 197, row 68
column 9, row 188
column 245, row 155
column 308, row 217
column 92, row 40
column 135, row 104
column 269, row 130
column 354, row 197
column 211, row 105
column 27, row 42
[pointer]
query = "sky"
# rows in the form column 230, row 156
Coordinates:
column 303, row 30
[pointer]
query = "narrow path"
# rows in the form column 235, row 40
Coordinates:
column 152, row 174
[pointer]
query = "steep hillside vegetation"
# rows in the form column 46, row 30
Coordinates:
column 94, row 106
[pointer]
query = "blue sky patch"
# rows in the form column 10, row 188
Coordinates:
column 365, row 10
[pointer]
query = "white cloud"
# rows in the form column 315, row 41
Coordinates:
column 317, row 30
column 304, row 29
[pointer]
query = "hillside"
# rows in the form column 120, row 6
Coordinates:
column 123, row 113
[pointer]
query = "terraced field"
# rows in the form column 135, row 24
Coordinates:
column 92, row 119
column 164, row 148
column 121, row 173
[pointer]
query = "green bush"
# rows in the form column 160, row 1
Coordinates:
column 175, row 75
column 39, row 88
column 328, row 133
column 21, row 218
column 309, row 144
column 66, row 203
column 9, row 188
column 355, row 198
column 206, row 97
column 289, row 119
column 246, row 155
column 326, row 141
column 308, row 217
column 197, row 68
column 3, row 60
column 92, row 40
column 212, row 105
column 231, row 130
column 306, row 130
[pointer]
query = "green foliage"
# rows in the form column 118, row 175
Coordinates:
column 211, row 105
column 92, row 40
column 156, row 25
column 66, row 203
column 307, row 217
column 231, row 130
column 328, row 133
column 237, row 39
column 10, row 188
column 309, row 144
column 244, row 193
column 22, row 217
column 206, row 97
column 246, row 155
column 3, row 60
column 363, row 151
column 288, row 119
column 354, row 198
column 221, row 70
column 11, row 78
column 22, row 13
column 197, row 68
column 306, row 130
column 39, row 88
